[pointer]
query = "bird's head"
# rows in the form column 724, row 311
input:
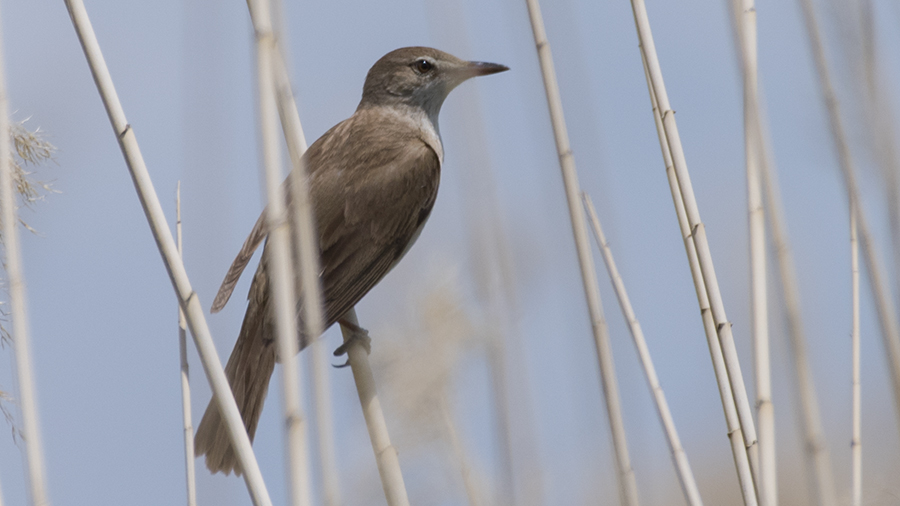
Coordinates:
column 419, row 77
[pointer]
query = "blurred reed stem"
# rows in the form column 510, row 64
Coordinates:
column 856, row 438
column 281, row 274
column 34, row 453
column 887, row 317
column 745, row 23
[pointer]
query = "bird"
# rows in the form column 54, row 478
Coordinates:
column 373, row 180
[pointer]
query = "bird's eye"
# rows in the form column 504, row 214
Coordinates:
column 423, row 66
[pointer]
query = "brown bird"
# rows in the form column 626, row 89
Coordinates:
column 373, row 179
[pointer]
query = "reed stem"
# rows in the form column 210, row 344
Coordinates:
column 21, row 335
column 732, row 421
column 679, row 457
column 187, row 298
column 697, row 233
column 385, row 453
column 188, row 430
column 627, row 483
column 887, row 318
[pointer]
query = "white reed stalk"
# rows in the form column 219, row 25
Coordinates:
column 745, row 24
column 188, row 299
column 679, row 457
column 856, row 439
column 887, row 318
column 815, row 448
column 385, row 453
column 472, row 493
column 281, row 273
column 817, row 459
column 185, row 376
column 882, row 131
column 306, row 251
column 308, row 283
column 19, row 310
column 627, row 482
column 698, row 235
column 732, row 422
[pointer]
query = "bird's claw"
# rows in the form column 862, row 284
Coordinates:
column 358, row 335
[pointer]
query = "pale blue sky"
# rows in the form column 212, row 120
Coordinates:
column 103, row 312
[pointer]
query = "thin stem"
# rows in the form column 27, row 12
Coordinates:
column 856, row 439
column 306, row 251
column 732, row 422
column 385, row 453
column 698, row 235
column 472, row 493
column 745, row 23
column 679, row 457
column 281, row 274
column 187, row 298
column 817, row 458
column 627, row 482
column 890, row 330
column 19, row 310
column 185, row 376
column 815, row 448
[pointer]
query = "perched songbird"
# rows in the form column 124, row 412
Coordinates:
column 373, row 179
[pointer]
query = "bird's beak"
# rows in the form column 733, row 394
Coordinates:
column 478, row 68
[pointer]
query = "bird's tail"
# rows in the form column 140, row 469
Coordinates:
column 249, row 370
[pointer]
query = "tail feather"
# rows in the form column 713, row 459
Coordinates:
column 249, row 370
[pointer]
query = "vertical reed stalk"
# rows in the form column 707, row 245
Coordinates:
column 385, row 453
column 306, row 255
column 282, row 272
column 472, row 492
column 732, row 421
column 745, row 22
column 488, row 246
column 185, row 376
column 882, row 129
column 627, row 482
column 818, row 461
column 856, row 439
column 679, row 457
column 187, row 298
column 19, row 310
column 890, row 330
column 698, row 235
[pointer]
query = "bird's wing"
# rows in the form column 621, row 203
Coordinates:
column 369, row 210
column 259, row 232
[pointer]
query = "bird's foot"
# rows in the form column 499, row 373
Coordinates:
column 358, row 335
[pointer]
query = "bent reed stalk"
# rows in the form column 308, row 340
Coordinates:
column 627, row 482
column 679, row 457
column 187, row 298
column 21, row 336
